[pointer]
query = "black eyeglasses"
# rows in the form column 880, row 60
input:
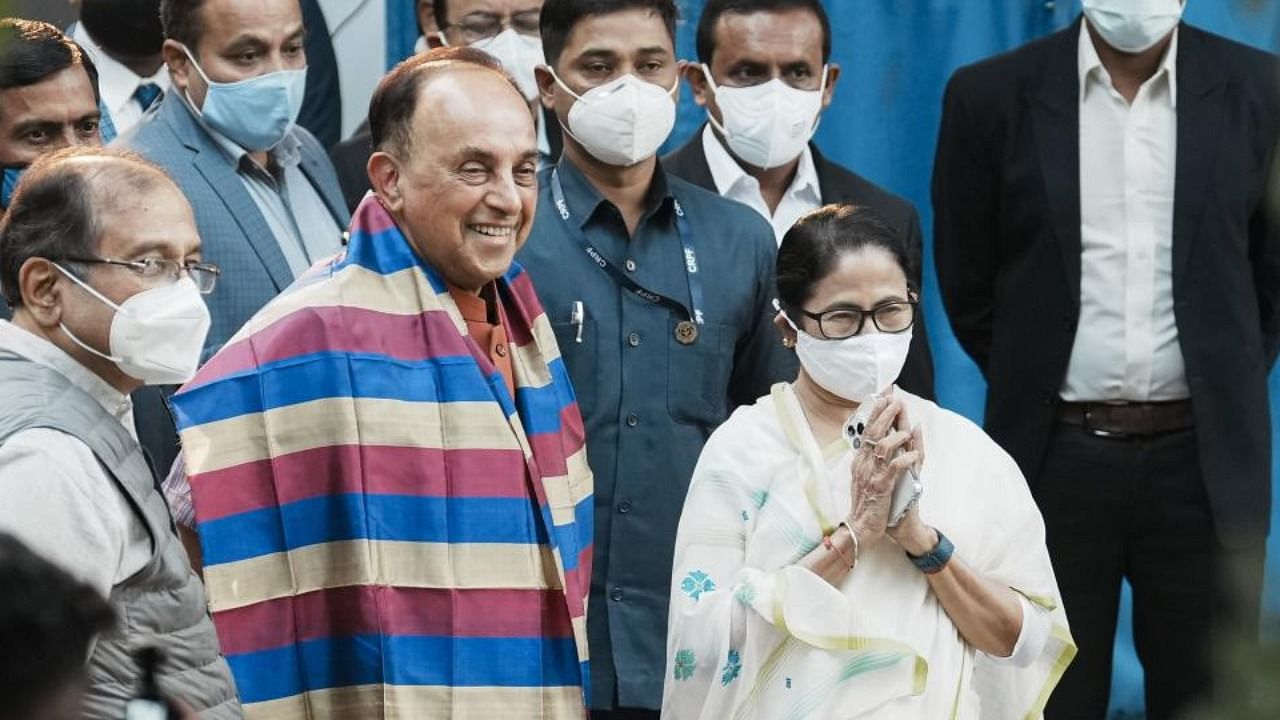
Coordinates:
column 841, row 323
column 482, row 26
column 204, row 275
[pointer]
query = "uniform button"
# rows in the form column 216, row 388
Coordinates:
column 633, row 339
column 615, row 594
column 501, row 349
column 633, row 420
column 624, row 507
column 631, row 265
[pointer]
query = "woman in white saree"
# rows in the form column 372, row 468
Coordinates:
column 791, row 596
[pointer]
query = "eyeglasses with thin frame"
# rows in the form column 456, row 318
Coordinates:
column 204, row 275
column 840, row 323
column 482, row 26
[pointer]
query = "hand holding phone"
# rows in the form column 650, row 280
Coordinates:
column 907, row 488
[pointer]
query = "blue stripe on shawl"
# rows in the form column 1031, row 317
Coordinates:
column 403, row 518
column 454, row 378
column 419, row 660
column 387, row 251
column 571, row 539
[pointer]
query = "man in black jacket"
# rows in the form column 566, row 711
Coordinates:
column 764, row 76
column 1108, row 256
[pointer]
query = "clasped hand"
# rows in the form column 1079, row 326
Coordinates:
column 876, row 471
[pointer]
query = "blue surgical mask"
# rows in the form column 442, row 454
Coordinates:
column 257, row 113
column 11, row 177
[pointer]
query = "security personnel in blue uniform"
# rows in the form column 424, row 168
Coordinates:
column 660, row 296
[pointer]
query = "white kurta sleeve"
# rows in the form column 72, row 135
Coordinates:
column 1036, row 625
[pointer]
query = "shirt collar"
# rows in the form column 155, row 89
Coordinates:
column 116, row 82
column 728, row 174
column 584, row 200
column 42, row 352
column 1090, row 65
column 474, row 308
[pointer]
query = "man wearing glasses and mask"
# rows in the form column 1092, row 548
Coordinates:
column 100, row 258
column 507, row 30
column 764, row 77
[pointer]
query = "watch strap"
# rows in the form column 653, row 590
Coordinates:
column 937, row 558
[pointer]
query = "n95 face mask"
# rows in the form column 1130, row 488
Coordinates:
column 621, row 122
column 156, row 335
column 519, row 55
column 767, row 125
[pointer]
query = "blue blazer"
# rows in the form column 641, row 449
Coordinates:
column 235, row 235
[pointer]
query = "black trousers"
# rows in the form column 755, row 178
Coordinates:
column 1137, row 509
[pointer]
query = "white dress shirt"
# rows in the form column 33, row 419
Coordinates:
column 1126, row 345
column 117, row 83
column 733, row 182
column 55, row 496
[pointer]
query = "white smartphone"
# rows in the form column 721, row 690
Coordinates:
column 908, row 488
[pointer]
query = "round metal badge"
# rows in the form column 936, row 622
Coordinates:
column 686, row 332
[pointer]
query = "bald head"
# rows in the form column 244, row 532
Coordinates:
column 67, row 198
column 396, row 101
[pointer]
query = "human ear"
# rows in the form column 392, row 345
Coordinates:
column 384, row 178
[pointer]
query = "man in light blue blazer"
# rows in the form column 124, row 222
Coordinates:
column 266, row 199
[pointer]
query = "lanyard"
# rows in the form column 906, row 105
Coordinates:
column 694, row 314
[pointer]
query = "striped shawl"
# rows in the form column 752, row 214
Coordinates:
column 387, row 533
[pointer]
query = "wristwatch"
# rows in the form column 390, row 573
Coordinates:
column 937, row 558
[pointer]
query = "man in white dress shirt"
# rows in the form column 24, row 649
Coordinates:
column 1108, row 256
column 101, row 261
column 764, row 76
column 124, row 38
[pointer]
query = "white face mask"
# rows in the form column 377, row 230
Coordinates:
column 519, row 55
column 622, row 122
column 156, row 335
column 856, row 367
column 767, row 125
column 1133, row 26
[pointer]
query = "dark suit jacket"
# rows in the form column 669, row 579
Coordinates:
column 840, row 185
column 351, row 156
column 322, row 104
column 1006, row 195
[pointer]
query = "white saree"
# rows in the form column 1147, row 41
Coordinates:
column 753, row 635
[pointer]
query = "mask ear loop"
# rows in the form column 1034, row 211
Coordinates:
column 63, row 327
column 778, row 307
column 822, row 89
column 715, row 92
column 564, row 126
